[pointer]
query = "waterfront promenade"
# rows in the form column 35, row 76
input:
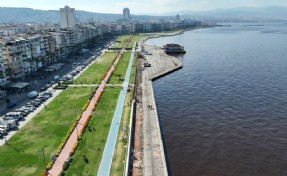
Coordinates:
column 153, row 157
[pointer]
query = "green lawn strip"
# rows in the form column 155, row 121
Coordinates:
column 120, row 71
column 133, row 72
column 23, row 156
column 120, row 151
column 93, row 143
column 132, row 38
column 121, row 41
column 95, row 72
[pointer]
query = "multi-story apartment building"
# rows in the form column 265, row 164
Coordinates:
column 13, row 53
column 21, row 54
column 126, row 14
column 61, row 43
column 68, row 17
column 49, row 48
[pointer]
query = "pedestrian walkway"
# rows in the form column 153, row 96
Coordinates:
column 154, row 161
column 108, row 153
column 64, row 154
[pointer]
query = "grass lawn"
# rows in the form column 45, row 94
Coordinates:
column 95, row 72
column 93, row 143
column 133, row 72
column 127, row 41
column 23, row 156
column 120, row 71
column 120, row 151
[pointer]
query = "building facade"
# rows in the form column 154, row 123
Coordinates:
column 68, row 17
column 127, row 15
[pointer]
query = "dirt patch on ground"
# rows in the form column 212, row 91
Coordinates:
column 138, row 138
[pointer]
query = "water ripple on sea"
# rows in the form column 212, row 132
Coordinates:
column 225, row 112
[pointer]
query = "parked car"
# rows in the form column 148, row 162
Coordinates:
column 33, row 94
column 42, row 98
column 13, row 115
column 43, row 88
column 34, row 103
column 24, row 112
column 30, row 107
column 9, row 124
column 47, row 93
column 73, row 73
column 3, row 129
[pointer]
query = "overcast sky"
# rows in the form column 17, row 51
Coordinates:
column 141, row 6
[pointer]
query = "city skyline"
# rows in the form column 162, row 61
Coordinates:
column 141, row 7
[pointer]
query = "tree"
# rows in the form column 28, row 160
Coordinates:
column 119, row 77
column 9, row 71
column 48, row 56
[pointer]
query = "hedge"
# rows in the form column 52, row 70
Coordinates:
column 66, row 165
column 85, row 105
column 74, row 149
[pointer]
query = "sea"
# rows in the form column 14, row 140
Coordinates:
column 225, row 112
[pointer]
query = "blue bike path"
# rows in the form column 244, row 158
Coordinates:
column 107, row 158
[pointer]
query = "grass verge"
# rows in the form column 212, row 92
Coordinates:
column 120, row 71
column 93, row 142
column 95, row 72
column 127, row 41
column 23, row 155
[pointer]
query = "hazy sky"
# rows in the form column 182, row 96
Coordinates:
column 140, row 6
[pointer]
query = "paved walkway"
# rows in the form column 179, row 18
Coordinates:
column 107, row 158
column 64, row 154
column 154, row 162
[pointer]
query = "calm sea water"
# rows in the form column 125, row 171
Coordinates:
column 225, row 112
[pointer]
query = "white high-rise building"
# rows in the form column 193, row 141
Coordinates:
column 68, row 17
column 126, row 14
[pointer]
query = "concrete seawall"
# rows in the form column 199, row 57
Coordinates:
column 154, row 160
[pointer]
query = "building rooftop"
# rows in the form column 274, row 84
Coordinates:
column 172, row 45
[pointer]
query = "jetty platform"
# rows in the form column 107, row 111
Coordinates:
column 149, row 152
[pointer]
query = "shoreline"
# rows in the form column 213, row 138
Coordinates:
column 169, row 34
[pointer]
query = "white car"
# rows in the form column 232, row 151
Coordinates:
column 30, row 108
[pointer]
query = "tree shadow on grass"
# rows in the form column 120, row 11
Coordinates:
column 13, row 147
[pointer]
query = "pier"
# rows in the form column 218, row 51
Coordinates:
column 148, row 147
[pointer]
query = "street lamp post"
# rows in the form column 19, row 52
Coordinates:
column 43, row 152
column 44, row 158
